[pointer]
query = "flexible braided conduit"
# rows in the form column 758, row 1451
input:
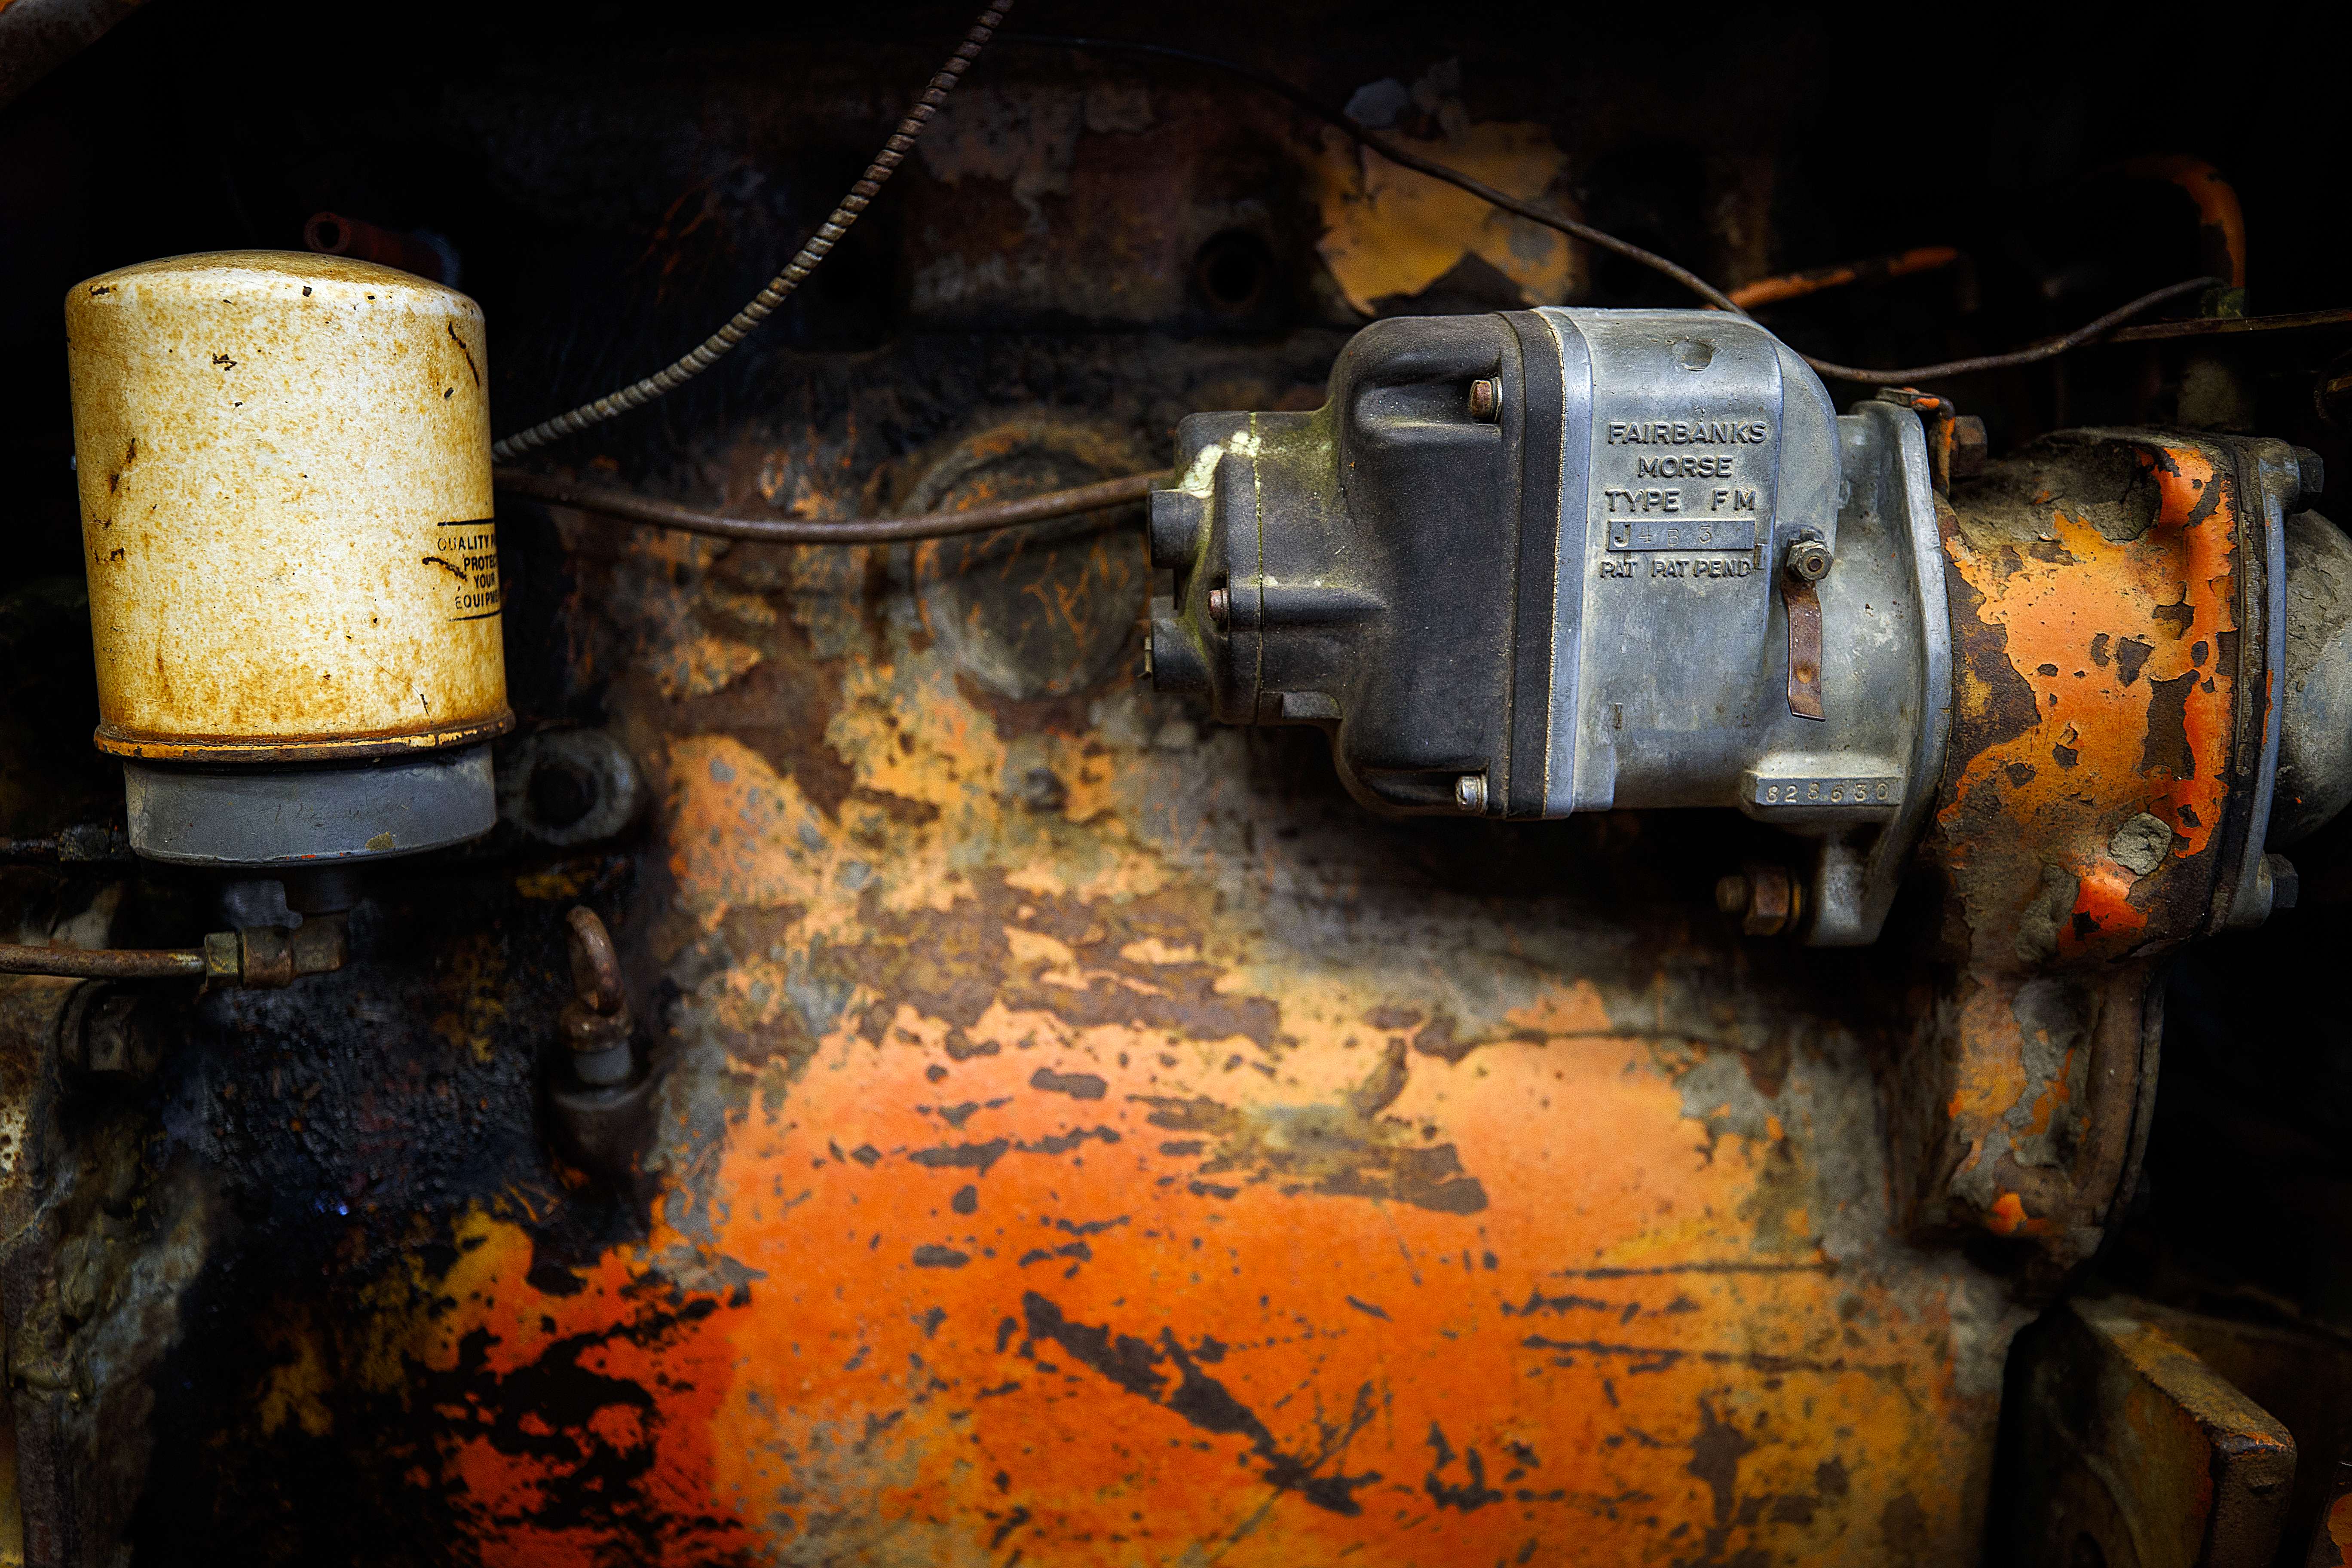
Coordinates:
column 715, row 347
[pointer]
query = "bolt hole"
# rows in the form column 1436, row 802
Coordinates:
column 326, row 233
column 560, row 793
column 1234, row 271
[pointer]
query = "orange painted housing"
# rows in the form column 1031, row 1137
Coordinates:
column 2098, row 607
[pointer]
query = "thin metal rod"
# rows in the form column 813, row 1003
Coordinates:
column 2230, row 326
column 833, row 530
column 763, row 305
column 104, row 964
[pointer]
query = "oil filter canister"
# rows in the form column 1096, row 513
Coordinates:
column 283, row 462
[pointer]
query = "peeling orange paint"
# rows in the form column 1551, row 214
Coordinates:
column 2095, row 607
column 1001, row 1316
column 2095, row 628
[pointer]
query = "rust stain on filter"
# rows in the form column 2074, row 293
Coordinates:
column 285, row 476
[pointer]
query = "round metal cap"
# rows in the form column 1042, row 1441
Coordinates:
column 279, row 818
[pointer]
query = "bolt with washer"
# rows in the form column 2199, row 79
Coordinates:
column 1221, row 606
column 1470, row 791
column 1485, row 399
column 1809, row 560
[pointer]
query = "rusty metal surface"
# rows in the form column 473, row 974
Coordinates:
column 112, row 963
column 1058, row 1153
column 2331, row 1536
column 2301, row 1374
column 2097, row 611
column 2122, row 1446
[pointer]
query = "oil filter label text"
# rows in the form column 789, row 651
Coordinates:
column 468, row 553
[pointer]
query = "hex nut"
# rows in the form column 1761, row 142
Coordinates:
column 1809, row 560
column 1774, row 899
column 1969, row 446
column 1731, row 894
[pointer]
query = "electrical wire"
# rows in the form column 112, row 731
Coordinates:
column 1396, row 155
column 2050, row 349
column 1592, row 236
column 1112, row 492
column 763, row 305
column 1122, row 491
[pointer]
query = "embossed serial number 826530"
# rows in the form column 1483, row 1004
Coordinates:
column 1828, row 792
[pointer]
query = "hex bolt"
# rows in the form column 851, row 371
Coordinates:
column 1486, row 400
column 1470, row 791
column 1809, row 560
column 1732, row 894
column 1221, row 606
column 2310, row 473
column 1969, row 446
column 1765, row 900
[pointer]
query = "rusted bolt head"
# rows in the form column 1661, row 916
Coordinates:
column 1732, row 892
column 1470, row 791
column 1774, row 899
column 1221, row 606
column 1485, row 399
column 1969, row 446
column 1809, row 560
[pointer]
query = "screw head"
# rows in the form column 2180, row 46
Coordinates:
column 1809, row 560
column 1470, row 791
column 1221, row 606
column 1485, row 399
